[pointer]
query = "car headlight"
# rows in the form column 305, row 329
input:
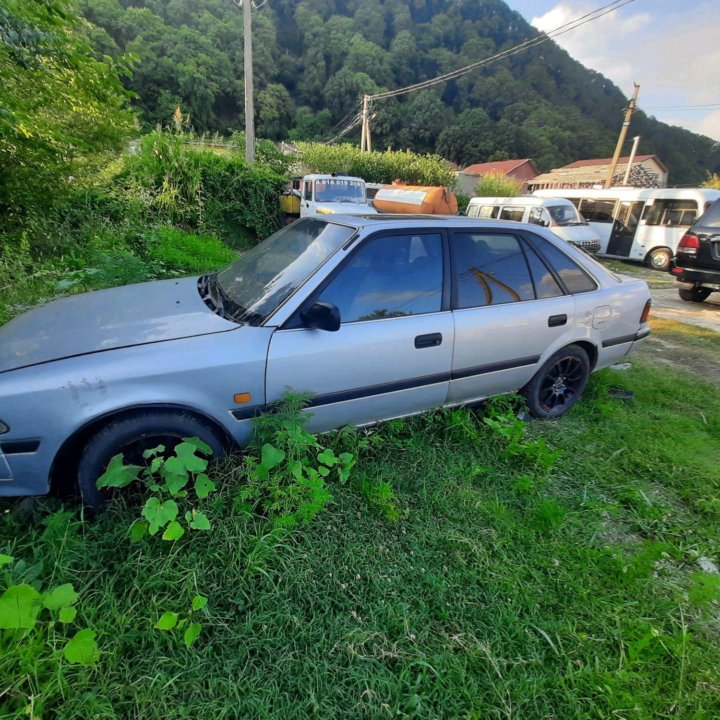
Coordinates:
column 3, row 428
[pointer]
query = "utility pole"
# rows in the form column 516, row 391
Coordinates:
column 249, row 103
column 636, row 140
column 623, row 132
column 365, row 143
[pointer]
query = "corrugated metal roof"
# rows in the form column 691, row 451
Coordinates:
column 500, row 166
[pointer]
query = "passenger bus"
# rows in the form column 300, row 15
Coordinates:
column 639, row 224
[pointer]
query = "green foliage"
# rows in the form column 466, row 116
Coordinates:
column 376, row 166
column 286, row 476
column 60, row 105
column 169, row 479
column 498, row 185
column 174, row 623
column 202, row 190
column 184, row 253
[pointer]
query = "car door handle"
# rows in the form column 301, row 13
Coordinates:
column 430, row 340
column 557, row 320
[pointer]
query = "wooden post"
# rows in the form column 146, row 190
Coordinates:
column 623, row 133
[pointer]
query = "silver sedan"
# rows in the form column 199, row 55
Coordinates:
column 377, row 317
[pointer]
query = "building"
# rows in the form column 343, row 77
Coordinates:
column 468, row 178
column 647, row 171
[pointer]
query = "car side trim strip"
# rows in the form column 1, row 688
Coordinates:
column 19, row 447
column 625, row 339
column 384, row 388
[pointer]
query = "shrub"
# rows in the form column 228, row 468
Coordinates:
column 181, row 252
column 498, row 185
column 379, row 167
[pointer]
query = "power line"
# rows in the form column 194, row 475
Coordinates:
column 355, row 122
column 560, row 30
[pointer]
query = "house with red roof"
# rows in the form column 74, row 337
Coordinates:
column 647, row 171
column 468, row 178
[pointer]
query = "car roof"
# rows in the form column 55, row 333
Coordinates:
column 398, row 220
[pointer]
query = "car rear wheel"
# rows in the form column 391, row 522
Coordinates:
column 559, row 383
column 659, row 259
column 698, row 294
column 131, row 436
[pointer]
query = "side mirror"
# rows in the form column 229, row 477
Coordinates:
column 321, row 316
column 295, row 192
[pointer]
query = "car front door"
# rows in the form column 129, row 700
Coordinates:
column 392, row 354
column 509, row 308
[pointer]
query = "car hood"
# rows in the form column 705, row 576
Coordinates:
column 576, row 233
column 107, row 319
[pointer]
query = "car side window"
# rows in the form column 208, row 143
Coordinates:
column 546, row 286
column 512, row 212
column 575, row 279
column 536, row 216
column 490, row 269
column 389, row 276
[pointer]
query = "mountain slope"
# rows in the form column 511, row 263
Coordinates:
column 315, row 57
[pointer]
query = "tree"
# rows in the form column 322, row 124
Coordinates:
column 274, row 112
column 469, row 140
column 498, row 185
column 59, row 104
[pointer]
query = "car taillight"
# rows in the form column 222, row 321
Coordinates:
column 645, row 312
column 689, row 244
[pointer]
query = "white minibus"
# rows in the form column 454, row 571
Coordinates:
column 558, row 214
column 638, row 224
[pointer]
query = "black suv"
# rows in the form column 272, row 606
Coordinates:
column 697, row 260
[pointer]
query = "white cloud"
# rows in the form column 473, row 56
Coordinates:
column 673, row 54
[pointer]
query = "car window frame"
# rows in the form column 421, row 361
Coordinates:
column 294, row 322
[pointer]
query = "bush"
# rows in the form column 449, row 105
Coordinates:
column 498, row 185
column 181, row 252
column 201, row 190
column 378, row 167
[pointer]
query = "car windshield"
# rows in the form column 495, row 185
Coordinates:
column 339, row 190
column 262, row 278
column 564, row 215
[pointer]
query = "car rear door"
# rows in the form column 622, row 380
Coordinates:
column 509, row 308
column 392, row 354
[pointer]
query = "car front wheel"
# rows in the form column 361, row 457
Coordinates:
column 697, row 294
column 130, row 437
column 559, row 383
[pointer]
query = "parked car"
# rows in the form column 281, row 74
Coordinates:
column 696, row 264
column 556, row 213
column 376, row 316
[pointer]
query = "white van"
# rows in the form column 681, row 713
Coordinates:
column 638, row 224
column 558, row 214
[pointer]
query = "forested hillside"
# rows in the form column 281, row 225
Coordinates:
column 314, row 57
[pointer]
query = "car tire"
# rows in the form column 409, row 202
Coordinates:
column 559, row 383
column 130, row 436
column 697, row 294
column 659, row 259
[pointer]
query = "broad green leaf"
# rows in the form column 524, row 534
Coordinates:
column 19, row 607
column 191, row 634
column 67, row 614
column 199, row 602
column 327, row 457
column 175, row 482
column 296, row 468
column 118, row 474
column 271, row 456
column 152, row 452
column 5, row 559
column 174, row 531
column 202, row 446
column 185, row 451
column 167, row 621
column 138, row 530
column 159, row 514
column 199, row 521
column 323, row 471
column 82, row 648
column 204, row 486
column 60, row 597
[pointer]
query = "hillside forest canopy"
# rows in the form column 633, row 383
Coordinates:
column 313, row 59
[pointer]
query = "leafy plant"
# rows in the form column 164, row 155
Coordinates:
column 286, row 475
column 169, row 479
column 172, row 622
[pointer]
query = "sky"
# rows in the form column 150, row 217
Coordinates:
column 669, row 47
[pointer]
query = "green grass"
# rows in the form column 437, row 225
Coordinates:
column 448, row 579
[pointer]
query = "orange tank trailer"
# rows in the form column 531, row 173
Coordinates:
column 414, row 199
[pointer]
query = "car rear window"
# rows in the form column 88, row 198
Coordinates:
column 712, row 217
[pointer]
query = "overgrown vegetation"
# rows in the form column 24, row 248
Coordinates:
column 498, row 185
column 378, row 167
